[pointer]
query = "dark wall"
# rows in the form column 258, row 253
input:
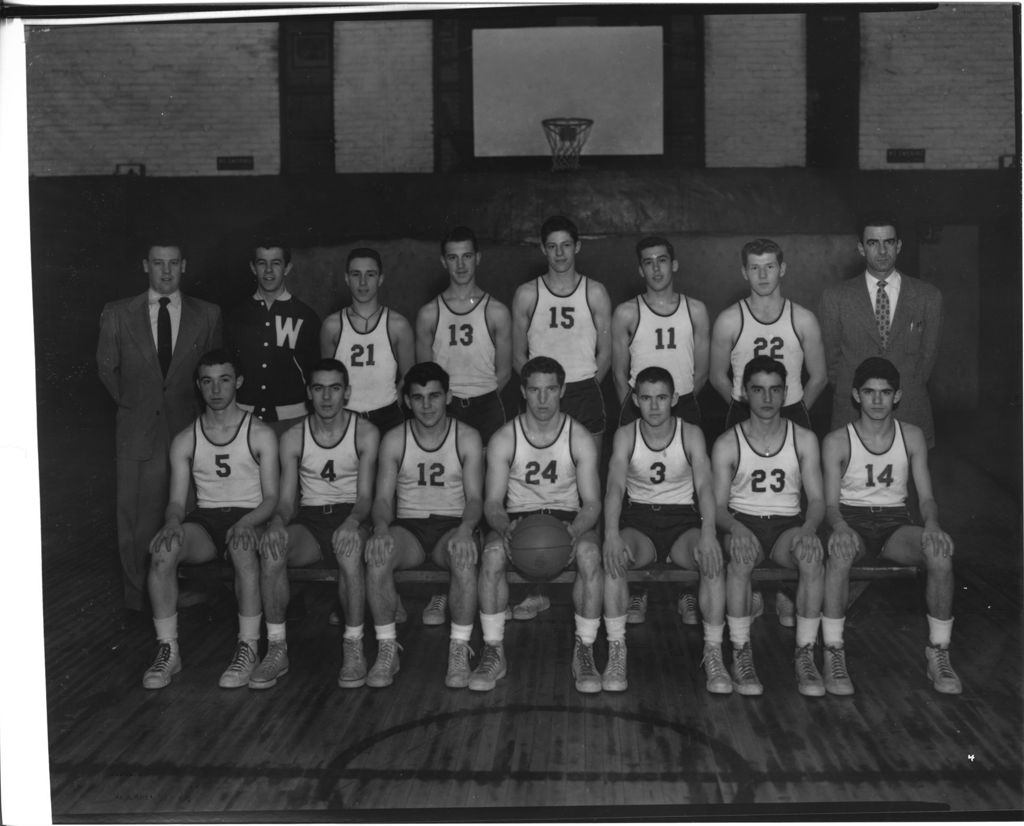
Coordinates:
column 87, row 234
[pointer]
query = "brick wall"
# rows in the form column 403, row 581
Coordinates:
column 383, row 96
column 941, row 80
column 170, row 96
column 755, row 90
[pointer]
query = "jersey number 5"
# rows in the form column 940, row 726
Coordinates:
column 223, row 468
column 758, row 477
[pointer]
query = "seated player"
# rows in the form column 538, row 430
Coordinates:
column 430, row 473
column 543, row 461
column 327, row 465
column 868, row 464
column 659, row 462
column 231, row 458
column 760, row 466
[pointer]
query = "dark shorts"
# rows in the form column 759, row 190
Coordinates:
column 216, row 522
column 486, row 413
column 686, row 409
column 386, row 417
column 768, row 529
column 322, row 521
column 662, row 524
column 739, row 411
column 875, row 525
column 429, row 531
column 584, row 402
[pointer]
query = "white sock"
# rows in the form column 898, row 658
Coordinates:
column 832, row 631
column 739, row 630
column 713, row 633
column 166, row 629
column 940, row 631
column 353, row 632
column 461, row 633
column 249, row 628
column 385, row 632
column 586, row 629
column 615, row 628
column 807, row 630
column 493, row 626
column 275, row 631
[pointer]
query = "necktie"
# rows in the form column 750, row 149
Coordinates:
column 163, row 335
column 882, row 314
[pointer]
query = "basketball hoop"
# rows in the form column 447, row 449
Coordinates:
column 566, row 137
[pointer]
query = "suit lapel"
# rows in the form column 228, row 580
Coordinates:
column 904, row 306
column 140, row 329
column 863, row 309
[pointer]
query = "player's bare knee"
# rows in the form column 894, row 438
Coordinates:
column 588, row 559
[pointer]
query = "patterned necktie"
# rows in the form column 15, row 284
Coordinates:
column 163, row 335
column 882, row 314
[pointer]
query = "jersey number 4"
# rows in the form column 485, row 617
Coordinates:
column 362, row 356
column 328, row 471
column 434, row 478
column 534, row 474
column 768, row 347
column 760, row 476
column 885, row 477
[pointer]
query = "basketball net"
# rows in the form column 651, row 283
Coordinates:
column 566, row 137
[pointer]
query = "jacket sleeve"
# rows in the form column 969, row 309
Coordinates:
column 108, row 352
column 932, row 332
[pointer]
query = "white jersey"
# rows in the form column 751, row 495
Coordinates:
column 875, row 479
column 542, row 476
column 464, row 348
column 562, row 328
column 371, row 363
column 777, row 339
column 663, row 341
column 430, row 481
column 328, row 474
column 227, row 475
column 766, row 485
column 659, row 477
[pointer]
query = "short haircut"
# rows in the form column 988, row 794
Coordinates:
column 221, row 355
column 327, row 365
column 654, row 241
column 165, row 240
column 457, row 234
column 763, row 364
column 760, row 246
column 653, row 374
column 269, row 243
column 876, row 367
column 364, row 252
column 558, row 223
column 876, row 219
column 424, row 373
column 542, row 364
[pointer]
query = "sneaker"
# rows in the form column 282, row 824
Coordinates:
column 713, row 665
column 458, row 664
column 489, row 670
column 353, row 664
column 530, row 607
column 435, row 612
column 614, row 676
column 808, row 679
column 243, row 663
column 584, row 672
column 166, row 664
column 785, row 609
column 274, row 665
column 756, row 605
column 837, row 678
column 400, row 614
column 637, row 611
column 687, row 609
column 744, row 677
column 386, row 666
column 940, row 672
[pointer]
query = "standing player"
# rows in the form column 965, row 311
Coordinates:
column 373, row 342
column 662, row 328
column 659, row 462
column 760, row 466
column 231, row 457
column 468, row 333
column 767, row 324
column 541, row 462
column 564, row 316
column 868, row 464
column 431, row 475
column 327, row 467
column 276, row 337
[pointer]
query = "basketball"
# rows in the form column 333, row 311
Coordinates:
column 540, row 547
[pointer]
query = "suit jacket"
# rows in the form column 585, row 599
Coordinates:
column 151, row 409
column 850, row 334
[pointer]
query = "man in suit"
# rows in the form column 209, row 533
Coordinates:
column 148, row 349
column 882, row 313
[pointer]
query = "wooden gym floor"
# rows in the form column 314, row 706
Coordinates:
column 309, row 751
